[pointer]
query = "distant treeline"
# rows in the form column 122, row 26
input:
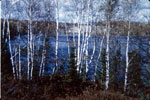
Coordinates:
column 117, row 27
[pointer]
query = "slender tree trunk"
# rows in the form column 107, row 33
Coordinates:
column 107, row 57
column 92, row 56
column 57, row 28
column 40, row 71
column 19, row 52
column 28, row 53
column 127, row 59
column 44, row 59
column 10, row 49
column 87, row 42
column 74, row 43
column 31, row 40
column 16, row 65
column 78, row 53
column 42, row 65
column 20, row 77
column 67, row 39
column 100, row 50
column 3, row 32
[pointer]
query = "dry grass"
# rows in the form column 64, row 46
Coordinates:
column 99, row 95
column 47, row 89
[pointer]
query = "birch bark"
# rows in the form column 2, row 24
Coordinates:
column 107, row 56
column 127, row 58
column 10, row 49
column 57, row 28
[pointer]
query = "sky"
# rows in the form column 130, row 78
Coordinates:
column 144, row 9
column 67, row 13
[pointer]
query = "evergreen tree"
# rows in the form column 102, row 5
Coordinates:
column 5, row 60
column 101, row 69
column 146, row 81
column 72, row 75
column 115, row 69
column 134, row 74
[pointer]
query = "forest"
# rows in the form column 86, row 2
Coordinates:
column 75, row 50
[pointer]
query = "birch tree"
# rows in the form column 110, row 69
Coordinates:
column 129, row 8
column 78, row 10
column 99, row 55
column 19, row 14
column 10, row 49
column 7, row 8
column 110, row 8
column 47, row 7
column 31, row 8
column 87, row 34
column 20, row 77
column 57, row 34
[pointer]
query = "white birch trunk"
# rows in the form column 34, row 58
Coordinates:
column 87, row 34
column 101, row 46
column 44, row 59
column 127, row 59
column 83, row 38
column 31, row 39
column 107, row 58
column 74, row 43
column 68, row 44
column 10, row 49
column 67, row 40
column 3, row 32
column 20, row 77
column 78, row 53
column 28, row 53
column 42, row 65
column 57, row 28
column 92, row 56
column 19, row 52
column 16, row 65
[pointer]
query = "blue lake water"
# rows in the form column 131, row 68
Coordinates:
column 138, row 44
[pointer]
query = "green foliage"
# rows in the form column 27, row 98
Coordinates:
column 103, row 66
column 72, row 76
column 134, row 73
column 146, row 82
column 101, row 69
column 144, row 97
column 115, row 69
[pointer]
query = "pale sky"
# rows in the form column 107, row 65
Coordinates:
column 67, row 13
column 144, row 10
